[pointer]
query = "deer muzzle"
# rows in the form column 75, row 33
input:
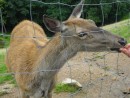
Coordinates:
column 122, row 42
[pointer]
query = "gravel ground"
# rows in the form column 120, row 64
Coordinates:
column 101, row 76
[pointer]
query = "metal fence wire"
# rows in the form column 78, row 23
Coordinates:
column 101, row 74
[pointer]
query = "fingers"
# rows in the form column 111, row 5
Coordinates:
column 127, row 46
column 125, row 51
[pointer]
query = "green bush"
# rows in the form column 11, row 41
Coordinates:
column 1, row 42
column 3, row 69
column 15, row 11
column 4, row 41
column 2, row 2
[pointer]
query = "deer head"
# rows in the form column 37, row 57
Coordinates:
column 83, row 33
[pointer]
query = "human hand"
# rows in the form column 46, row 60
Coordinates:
column 126, row 50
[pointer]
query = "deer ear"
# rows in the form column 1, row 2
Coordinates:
column 77, row 10
column 52, row 24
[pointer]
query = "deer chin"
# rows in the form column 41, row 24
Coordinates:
column 115, row 49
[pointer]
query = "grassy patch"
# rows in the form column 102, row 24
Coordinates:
column 3, row 93
column 4, row 41
column 3, row 77
column 106, row 68
column 65, row 88
column 120, row 28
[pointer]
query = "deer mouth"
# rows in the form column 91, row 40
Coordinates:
column 115, row 49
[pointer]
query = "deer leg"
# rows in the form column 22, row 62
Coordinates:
column 49, row 95
column 24, row 95
column 39, row 94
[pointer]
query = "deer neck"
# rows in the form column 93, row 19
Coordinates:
column 55, row 54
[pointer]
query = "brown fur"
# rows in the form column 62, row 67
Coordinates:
column 25, row 51
column 79, row 22
column 22, row 39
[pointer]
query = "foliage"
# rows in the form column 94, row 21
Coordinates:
column 3, row 69
column 4, row 41
column 2, row 2
column 1, row 42
column 15, row 11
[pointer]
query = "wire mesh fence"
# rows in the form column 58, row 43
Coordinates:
column 102, row 74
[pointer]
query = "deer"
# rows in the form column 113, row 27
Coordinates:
column 35, row 60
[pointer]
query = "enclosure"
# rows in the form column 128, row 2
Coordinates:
column 101, row 74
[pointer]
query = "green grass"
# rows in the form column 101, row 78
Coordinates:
column 3, row 93
column 120, row 28
column 65, row 88
column 4, row 41
column 3, row 77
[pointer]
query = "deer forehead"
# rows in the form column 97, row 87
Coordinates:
column 79, row 23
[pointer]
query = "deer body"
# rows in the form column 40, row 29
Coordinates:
column 36, row 61
column 35, row 68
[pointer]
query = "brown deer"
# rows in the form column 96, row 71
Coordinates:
column 35, row 68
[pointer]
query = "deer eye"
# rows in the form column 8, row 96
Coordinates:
column 82, row 34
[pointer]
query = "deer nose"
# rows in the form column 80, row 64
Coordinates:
column 122, row 41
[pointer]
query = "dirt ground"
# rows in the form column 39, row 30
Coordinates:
column 101, row 76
